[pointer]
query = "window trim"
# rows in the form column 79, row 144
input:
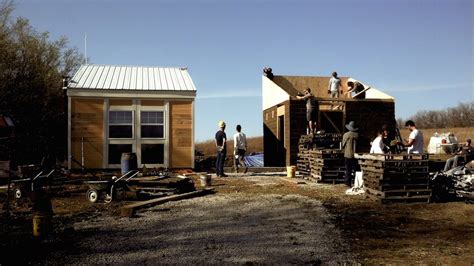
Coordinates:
column 152, row 109
column 132, row 124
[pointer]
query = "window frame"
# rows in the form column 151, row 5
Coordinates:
column 164, row 124
column 132, row 124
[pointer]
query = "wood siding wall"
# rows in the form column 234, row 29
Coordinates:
column 87, row 122
column 181, row 135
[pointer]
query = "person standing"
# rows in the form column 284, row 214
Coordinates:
column 378, row 146
column 334, row 86
column 349, row 141
column 240, row 147
column 415, row 140
column 312, row 108
column 221, row 145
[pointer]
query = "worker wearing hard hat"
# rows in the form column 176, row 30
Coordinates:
column 221, row 146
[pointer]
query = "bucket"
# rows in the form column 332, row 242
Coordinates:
column 205, row 180
column 291, row 171
column 41, row 224
column 128, row 162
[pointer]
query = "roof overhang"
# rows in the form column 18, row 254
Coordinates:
column 97, row 93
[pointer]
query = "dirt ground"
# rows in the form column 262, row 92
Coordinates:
column 250, row 219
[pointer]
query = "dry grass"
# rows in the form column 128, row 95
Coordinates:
column 255, row 144
column 208, row 147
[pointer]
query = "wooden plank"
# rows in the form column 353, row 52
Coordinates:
column 131, row 209
column 120, row 102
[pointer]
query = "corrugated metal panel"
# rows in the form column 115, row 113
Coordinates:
column 132, row 78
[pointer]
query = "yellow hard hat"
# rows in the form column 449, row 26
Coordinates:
column 221, row 123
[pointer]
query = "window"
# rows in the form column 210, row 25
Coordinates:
column 116, row 150
column 121, row 124
column 152, row 124
column 153, row 153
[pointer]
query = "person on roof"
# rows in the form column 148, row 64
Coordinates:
column 355, row 89
column 334, row 86
column 312, row 109
column 221, row 146
column 267, row 72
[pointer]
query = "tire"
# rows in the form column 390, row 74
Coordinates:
column 92, row 195
column 17, row 193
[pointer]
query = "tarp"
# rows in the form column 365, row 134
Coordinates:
column 255, row 160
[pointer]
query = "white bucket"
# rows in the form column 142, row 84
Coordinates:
column 205, row 180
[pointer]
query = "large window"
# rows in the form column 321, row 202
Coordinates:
column 153, row 153
column 121, row 124
column 152, row 124
column 116, row 150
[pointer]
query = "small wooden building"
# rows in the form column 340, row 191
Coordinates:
column 284, row 117
column 117, row 109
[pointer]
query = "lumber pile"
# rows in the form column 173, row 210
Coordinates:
column 402, row 178
column 319, row 157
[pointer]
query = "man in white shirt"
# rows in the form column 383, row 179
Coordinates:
column 240, row 146
column 334, row 85
column 415, row 140
column 378, row 146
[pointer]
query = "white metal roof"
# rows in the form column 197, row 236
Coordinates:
column 101, row 77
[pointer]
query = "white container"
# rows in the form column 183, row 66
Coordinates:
column 205, row 180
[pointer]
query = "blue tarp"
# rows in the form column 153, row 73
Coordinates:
column 255, row 160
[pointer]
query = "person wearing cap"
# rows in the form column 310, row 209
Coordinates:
column 221, row 146
column 312, row 109
column 465, row 149
column 415, row 140
column 240, row 146
column 349, row 140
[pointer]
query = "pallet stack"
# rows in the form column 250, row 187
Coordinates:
column 320, row 159
column 396, row 178
column 327, row 165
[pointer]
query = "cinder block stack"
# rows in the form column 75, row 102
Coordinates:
column 396, row 178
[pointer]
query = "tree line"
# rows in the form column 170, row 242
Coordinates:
column 459, row 116
column 32, row 67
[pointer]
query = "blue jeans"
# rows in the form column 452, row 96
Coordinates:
column 220, row 162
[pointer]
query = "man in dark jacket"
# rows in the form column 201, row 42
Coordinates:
column 221, row 145
column 349, row 140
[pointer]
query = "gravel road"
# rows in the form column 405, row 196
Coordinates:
column 231, row 228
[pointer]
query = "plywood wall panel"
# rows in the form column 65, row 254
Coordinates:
column 87, row 125
column 181, row 135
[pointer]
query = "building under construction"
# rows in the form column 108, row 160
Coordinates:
column 284, row 117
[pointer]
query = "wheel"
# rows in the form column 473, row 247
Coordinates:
column 17, row 193
column 108, row 198
column 92, row 195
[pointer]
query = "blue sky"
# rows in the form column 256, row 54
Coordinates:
column 419, row 51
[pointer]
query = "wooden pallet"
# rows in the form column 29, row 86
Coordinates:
column 412, row 198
